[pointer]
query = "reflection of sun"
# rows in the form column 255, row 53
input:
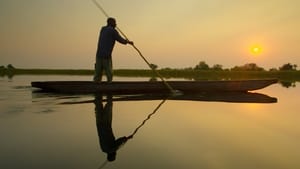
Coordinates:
column 256, row 50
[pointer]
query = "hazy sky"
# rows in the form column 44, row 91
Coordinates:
column 170, row 33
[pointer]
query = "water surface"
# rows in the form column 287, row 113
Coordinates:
column 37, row 131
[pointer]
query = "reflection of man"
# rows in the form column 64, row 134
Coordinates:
column 107, row 140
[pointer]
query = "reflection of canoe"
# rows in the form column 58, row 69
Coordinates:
column 233, row 97
column 139, row 87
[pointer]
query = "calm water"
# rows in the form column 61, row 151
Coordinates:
column 37, row 131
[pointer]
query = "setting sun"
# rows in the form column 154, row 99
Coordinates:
column 256, row 50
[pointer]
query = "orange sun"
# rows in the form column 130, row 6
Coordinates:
column 256, row 50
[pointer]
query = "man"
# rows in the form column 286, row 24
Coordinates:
column 108, row 36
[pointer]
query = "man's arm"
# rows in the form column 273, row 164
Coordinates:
column 121, row 39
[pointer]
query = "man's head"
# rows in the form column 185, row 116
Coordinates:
column 111, row 22
column 111, row 156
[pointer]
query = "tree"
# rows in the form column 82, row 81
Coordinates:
column 217, row 67
column 253, row 66
column 2, row 70
column 10, row 67
column 288, row 67
column 273, row 70
column 295, row 67
column 202, row 66
column 248, row 67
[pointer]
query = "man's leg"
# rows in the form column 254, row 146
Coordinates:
column 108, row 69
column 98, row 70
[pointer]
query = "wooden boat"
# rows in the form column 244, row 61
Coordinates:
column 142, row 87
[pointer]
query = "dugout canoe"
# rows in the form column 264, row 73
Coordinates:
column 142, row 87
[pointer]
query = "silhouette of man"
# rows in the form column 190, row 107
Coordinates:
column 107, row 38
column 107, row 140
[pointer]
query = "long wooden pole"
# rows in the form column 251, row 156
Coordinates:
column 139, row 52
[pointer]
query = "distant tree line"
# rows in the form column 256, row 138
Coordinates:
column 10, row 71
column 202, row 65
column 287, row 74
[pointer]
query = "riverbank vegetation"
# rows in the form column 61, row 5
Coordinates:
column 202, row 71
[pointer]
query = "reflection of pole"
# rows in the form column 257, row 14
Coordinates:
column 103, row 165
column 149, row 116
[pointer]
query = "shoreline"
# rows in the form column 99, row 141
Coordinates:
column 166, row 73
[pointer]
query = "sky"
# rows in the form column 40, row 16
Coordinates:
column 169, row 33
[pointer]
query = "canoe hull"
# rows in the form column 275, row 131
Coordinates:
column 141, row 87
